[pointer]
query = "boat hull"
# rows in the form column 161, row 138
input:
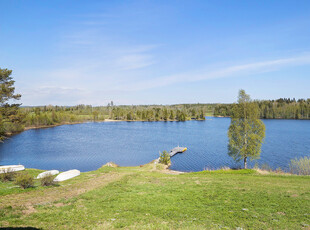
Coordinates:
column 67, row 175
column 47, row 173
column 11, row 168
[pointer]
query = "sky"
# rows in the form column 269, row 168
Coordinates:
column 155, row 52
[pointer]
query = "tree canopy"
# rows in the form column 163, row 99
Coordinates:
column 283, row 108
column 246, row 132
column 9, row 113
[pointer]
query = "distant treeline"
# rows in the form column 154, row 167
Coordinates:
column 160, row 113
column 53, row 115
column 43, row 116
column 283, row 108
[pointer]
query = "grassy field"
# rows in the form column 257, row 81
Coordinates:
column 151, row 197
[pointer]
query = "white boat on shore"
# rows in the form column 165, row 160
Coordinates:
column 48, row 173
column 67, row 175
column 11, row 168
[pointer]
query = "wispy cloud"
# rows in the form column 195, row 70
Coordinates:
column 134, row 61
column 60, row 95
column 53, row 94
column 69, row 93
column 224, row 72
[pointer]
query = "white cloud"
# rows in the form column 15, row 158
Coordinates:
column 69, row 90
column 230, row 71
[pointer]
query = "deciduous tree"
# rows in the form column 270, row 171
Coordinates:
column 246, row 132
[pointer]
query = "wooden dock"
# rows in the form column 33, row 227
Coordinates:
column 177, row 150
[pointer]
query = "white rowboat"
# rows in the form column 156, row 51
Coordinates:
column 11, row 168
column 47, row 173
column 67, row 175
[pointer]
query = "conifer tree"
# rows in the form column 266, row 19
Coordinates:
column 8, row 112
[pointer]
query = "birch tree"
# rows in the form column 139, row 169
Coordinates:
column 246, row 132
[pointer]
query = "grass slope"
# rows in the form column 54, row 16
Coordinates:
column 150, row 197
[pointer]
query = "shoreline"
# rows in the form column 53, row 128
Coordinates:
column 67, row 123
column 55, row 125
column 88, row 121
column 83, row 122
column 156, row 166
column 277, row 118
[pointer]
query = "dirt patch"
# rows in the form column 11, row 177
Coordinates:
column 49, row 195
column 110, row 120
column 29, row 209
column 59, row 204
column 111, row 164
column 172, row 172
column 266, row 172
column 294, row 195
column 262, row 172
column 156, row 166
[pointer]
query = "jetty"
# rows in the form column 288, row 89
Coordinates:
column 177, row 150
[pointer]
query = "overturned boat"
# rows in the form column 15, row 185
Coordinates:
column 67, row 175
column 47, row 173
column 11, row 168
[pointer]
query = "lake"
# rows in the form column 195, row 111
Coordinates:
column 90, row 145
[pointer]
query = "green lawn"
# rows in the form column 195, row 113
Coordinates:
column 146, row 198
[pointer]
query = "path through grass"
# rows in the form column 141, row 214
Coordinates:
column 145, row 198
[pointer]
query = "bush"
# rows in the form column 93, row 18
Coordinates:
column 24, row 180
column 256, row 166
column 11, row 127
column 48, row 180
column 300, row 166
column 279, row 170
column 7, row 175
column 164, row 158
column 266, row 167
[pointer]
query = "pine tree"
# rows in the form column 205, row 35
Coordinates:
column 8, row 112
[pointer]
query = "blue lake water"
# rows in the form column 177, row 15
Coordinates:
column 88, row 146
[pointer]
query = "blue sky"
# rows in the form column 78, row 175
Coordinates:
column 155, row 52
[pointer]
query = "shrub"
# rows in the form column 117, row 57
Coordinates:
column 164, row 158
column 279, row 170
column 24, row 180
column 11, row 127
column 256, row 166
column 300, row 166
column 266, row 167
column 48, row 180
column 7, row 175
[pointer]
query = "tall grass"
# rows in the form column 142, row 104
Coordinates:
column 7, row 175
column 300, row 166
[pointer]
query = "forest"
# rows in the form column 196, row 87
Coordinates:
column 44, row 116
column 283, row 108
column 15, row 118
